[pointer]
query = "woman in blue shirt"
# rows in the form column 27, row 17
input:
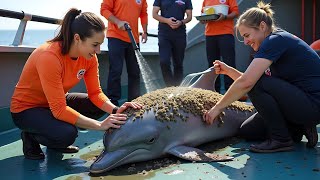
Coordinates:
column 282, row 81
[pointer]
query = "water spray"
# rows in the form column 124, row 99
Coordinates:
column 146, row 71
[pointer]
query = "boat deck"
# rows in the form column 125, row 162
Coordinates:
column 300, row 164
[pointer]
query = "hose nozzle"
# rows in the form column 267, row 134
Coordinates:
column 133, row 41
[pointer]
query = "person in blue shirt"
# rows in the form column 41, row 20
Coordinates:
column 282, row 81
column 172, row 36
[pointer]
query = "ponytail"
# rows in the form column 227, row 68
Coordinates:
column 75, row 22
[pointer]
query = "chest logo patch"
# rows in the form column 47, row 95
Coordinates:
column 180, row 2
column 222, row 1
column 81, row 73
column 268, row 72
column 138, row 1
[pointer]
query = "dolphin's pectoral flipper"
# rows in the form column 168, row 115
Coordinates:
column 194, row 154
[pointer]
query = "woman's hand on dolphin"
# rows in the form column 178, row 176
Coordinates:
column 211, row 115
column 113, row 121
column 125, row 106
column 220, row 67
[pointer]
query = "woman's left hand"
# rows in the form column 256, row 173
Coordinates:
column 134, row 105
column 211, row 115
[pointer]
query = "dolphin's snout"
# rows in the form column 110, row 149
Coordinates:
column 108, row 160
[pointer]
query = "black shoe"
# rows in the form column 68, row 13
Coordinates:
column 69, row 149
column 312, row 136
column 271, row 145
column 31, row 148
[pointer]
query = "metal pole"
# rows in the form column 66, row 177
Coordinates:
column 22, row 27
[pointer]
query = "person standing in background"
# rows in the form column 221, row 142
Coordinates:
column 172, row 36
column 118, row 13
column 219, row 37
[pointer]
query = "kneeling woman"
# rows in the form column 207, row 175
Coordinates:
column 41, row 105
column 282, row 81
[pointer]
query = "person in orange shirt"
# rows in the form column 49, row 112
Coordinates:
column 316, row 45
column 118, row 13
column 220, row 38
column 41, row 105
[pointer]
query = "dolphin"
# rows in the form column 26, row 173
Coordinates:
column 171, row 123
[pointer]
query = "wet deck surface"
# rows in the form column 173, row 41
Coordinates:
column 300, row 164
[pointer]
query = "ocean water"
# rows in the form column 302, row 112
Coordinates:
column 34, row 38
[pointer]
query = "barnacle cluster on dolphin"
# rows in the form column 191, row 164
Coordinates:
column 171, row 123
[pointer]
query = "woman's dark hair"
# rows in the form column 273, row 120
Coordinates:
column 75, row 22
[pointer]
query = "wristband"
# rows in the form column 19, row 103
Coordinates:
column 114, row 110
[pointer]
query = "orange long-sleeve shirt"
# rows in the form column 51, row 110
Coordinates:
column 125, row 10
column 316, row 45
column 220, row 27
column 48, row 75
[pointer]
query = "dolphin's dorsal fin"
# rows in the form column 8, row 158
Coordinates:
column 194, row 154
column 206, row 81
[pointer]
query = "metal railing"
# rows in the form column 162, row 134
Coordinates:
column 25, row 17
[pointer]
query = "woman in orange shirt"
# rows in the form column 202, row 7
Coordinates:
column 41, row 105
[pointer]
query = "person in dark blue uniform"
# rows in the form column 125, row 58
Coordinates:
column 282, row 81
column 172, row 36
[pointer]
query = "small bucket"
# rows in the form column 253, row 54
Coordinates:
column 223, row 9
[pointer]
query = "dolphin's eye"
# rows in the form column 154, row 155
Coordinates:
column 152, row 140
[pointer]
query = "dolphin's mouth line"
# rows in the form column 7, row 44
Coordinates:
column 123, row 158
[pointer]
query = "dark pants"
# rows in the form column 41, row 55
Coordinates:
column 221, row 46
column 172, row 47
column 120, row 51
column 48, row 130
column 281, row 106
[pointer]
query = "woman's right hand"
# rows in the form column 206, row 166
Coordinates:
column 121, row 24
column 220, row 67
column 113, row 121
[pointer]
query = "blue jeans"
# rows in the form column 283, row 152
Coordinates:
column 172, row 47
column 221, row 46
column 48, row 130
column 120, row 51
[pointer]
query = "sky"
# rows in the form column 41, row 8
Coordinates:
column 57, row 9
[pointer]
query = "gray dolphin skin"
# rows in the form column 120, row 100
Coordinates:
column 146, row 136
